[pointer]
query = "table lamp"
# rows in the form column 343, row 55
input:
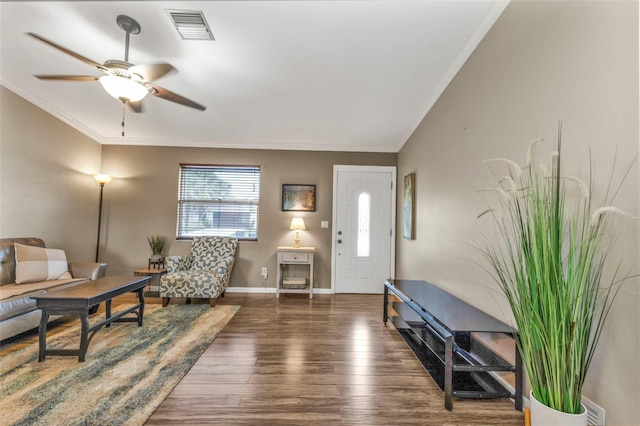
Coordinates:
column 297, row 223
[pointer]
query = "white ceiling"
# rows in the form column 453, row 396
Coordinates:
column 306, row 75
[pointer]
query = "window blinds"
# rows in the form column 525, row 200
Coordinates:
column 218, row 200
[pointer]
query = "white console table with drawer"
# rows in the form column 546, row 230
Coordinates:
column 295, row 270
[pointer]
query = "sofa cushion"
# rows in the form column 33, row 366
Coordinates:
column 16, row 306
column 13, row 290
column 15, row 298
column 34, row 264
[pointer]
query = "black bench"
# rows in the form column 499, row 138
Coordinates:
column 438, row 327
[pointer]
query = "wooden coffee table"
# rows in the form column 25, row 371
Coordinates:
column 78, row 300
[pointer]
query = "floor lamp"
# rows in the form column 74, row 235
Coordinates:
column 102, row 180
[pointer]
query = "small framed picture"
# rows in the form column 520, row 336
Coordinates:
column 409, row 207
column 298, row 198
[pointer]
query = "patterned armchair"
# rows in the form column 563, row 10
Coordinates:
column 204, row 273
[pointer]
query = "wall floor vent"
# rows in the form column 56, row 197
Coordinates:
column 595, row 413
column 191, row 24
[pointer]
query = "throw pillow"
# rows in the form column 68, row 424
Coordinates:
column 34, row 264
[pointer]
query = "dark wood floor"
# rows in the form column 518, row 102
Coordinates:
column 326, row 361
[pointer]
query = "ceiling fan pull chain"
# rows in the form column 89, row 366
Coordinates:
column 123, row 108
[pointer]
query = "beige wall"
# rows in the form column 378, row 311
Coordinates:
column 143, row 201
column 540, row 63
column 45, row 189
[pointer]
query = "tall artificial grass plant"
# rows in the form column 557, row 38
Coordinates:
column 549, row 263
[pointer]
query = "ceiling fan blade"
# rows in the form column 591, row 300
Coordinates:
column 135, row 106
column 150, row 72
column 67, row 77
column 67, row 51
column 174, row 97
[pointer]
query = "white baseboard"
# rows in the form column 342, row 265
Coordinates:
column 257, row 290
column 270, row 290
column 251, row 290
column 508, row 386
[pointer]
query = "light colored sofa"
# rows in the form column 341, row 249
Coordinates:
column 18, row 313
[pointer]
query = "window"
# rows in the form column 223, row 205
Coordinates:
column 364, row 220
column 218, row 200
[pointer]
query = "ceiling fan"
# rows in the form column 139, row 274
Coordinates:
column 123, row 80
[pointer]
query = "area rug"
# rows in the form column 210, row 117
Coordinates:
column 128, row 372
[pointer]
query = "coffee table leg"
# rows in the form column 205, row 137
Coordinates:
column 141, row 300
column 84, row 335
column 107, row 306
column 42, row 335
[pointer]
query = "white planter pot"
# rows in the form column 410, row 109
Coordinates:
column 541, row 415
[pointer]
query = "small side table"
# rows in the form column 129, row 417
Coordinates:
column 154, row 273
column 291, row 258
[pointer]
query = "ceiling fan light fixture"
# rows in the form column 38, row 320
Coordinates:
column 123, row 88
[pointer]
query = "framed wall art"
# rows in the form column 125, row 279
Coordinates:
column 298, row 198
column 409, row 207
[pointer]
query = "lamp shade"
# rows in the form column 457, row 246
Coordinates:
column 102, row 179
column 123, row 88
column 297, row 223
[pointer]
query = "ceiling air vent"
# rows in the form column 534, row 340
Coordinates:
column 190, row 24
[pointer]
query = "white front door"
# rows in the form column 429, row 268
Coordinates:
column 364, row 228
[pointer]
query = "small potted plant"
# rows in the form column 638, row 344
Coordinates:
column 549, row 262
column 156, row 243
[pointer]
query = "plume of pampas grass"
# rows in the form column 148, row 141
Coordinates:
column 515, row 171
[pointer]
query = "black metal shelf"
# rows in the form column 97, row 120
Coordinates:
column 438, row 327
